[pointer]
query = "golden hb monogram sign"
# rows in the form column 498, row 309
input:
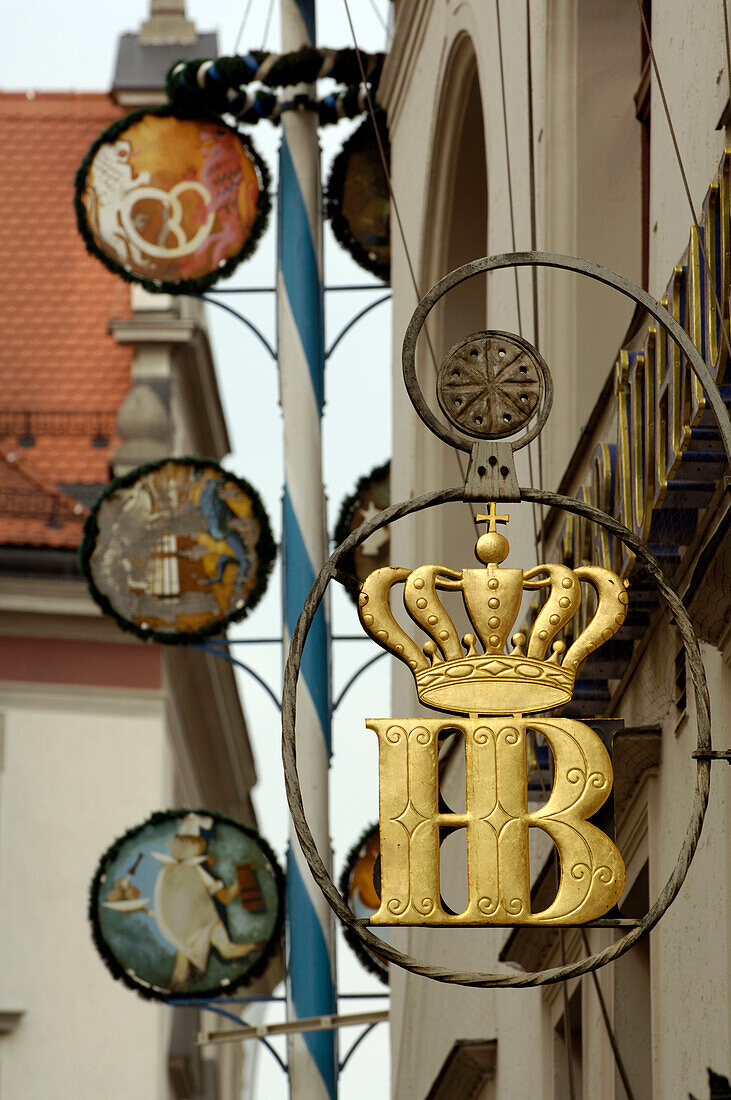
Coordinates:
column 492, row 688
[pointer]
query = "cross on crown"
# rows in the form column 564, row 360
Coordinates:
column 492, row 518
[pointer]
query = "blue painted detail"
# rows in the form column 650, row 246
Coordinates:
column 251, row 62
column 307, row 11
column 213, row 74
column 311, row 983
column 298, row 264
column 299, row 576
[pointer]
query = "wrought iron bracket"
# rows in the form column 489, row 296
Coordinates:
column 491, row 472
column 712, row 754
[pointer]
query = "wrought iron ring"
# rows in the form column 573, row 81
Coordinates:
column 294, row 793
column 568, row 263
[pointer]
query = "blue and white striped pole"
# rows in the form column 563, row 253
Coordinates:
column 301, row 349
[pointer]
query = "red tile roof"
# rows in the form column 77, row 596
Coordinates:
column 56, row 354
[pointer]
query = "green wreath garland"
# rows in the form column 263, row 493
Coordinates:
column 369, row 962
column 189, row 286
column 334, row 195
column 266, row 549
column 216, row 83
column 149, row 992
column 345, row 518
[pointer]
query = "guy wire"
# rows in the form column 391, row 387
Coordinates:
column 602, row 1003
column 689, row 197
column 387, row 173
column 512, row 235
column 608, row 1025
column 267, row 24
column 244, row 19
column 533, row 242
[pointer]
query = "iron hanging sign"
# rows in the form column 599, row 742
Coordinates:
column 492, row 684
column 171, row 201
column 190, row 903
column 177, row 549
column 495, row 392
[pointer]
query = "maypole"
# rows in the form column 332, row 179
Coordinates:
column 301, row 352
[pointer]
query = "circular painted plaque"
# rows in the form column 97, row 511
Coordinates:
column 189, row 904
column 372, row 494
column 171, row 202
column 177, row 550
column 358, row 885
column 358, row 202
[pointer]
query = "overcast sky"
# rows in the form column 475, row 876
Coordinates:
column 57, row 46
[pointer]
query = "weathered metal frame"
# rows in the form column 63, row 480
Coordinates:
column 568, row 263
column 330, row 571
column 335, row 899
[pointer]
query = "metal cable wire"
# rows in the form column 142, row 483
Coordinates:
column 267, row 24
column 512, row 234
column 244, row 20
column 533, row 237
column 402, row 234
column 676, row 147
column 608, row 1025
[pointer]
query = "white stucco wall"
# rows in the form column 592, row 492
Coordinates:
column 80, row 766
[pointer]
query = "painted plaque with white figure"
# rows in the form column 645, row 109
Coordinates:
column 172, row 202
column 189, row 903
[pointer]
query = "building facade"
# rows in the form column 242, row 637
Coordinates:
column 97, row 730
column 482, row 100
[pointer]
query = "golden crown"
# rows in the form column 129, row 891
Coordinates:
column 455, row 676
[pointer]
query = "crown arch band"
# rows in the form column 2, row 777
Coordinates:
column 568, row 263
column 334, row 898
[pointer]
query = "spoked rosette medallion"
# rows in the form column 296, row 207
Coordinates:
column 489, row 385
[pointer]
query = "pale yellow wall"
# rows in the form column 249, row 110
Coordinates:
column 80, row 767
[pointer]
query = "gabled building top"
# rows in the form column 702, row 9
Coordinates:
column 62, row 375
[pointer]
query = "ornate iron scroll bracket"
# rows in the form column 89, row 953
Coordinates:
column 476, row 394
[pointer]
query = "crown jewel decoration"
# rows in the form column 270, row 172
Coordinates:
column 479, row 675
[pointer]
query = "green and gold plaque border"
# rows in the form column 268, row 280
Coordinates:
column 182, row 286
column 365, row 956
column 266, row 549
column 153, row 993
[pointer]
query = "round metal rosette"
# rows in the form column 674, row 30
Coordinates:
column 170, row 201
column 188, row 904
column 359, row 885
column 490, row 384
column 178, row 549
column 357, row 199
column 372, row 494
